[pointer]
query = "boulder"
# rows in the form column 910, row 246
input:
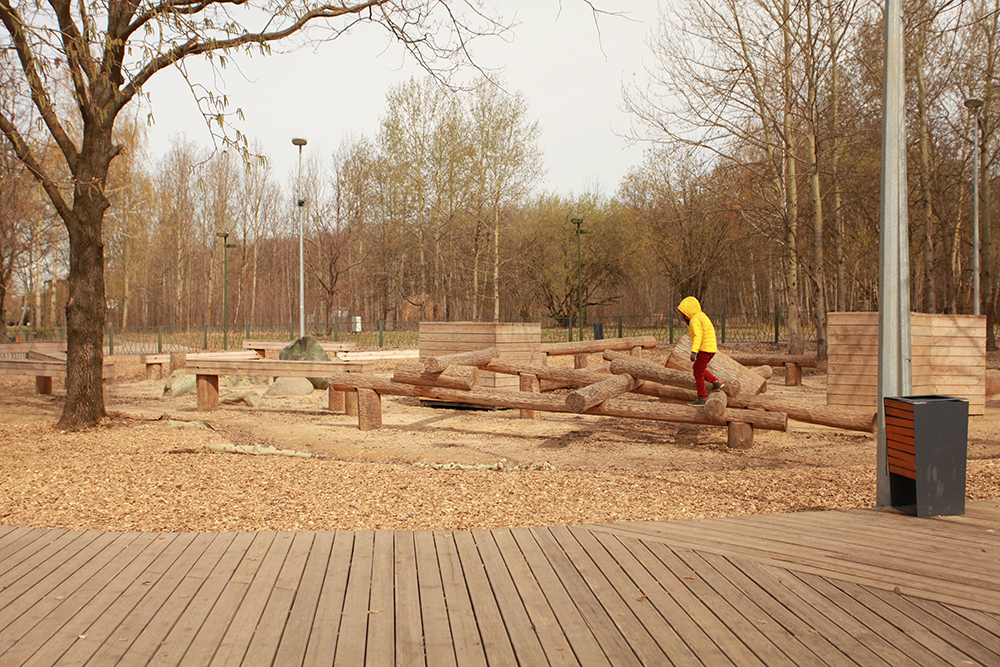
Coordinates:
column 306, row 349
column 180, row 383
column 247, row 398
column 290, row 387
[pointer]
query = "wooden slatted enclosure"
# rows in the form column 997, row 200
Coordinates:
column 516, row 341
column 948, row 357
column 899, row 438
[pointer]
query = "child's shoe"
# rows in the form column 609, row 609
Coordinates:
column 697, row 401
column 718, row 386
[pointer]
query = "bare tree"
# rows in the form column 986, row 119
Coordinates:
column 107, row 51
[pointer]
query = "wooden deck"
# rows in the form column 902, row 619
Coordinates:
column 827, row 588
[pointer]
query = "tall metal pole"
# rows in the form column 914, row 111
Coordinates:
column 300, row 202
column 894, row 371
column 579, row 273
column 975, row 104
column 226, row 245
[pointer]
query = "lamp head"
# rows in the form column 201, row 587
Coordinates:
column 299, row 141
column 973, row 103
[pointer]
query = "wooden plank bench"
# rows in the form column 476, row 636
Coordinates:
column 45, row 369
column 207, row 372
column 262, row 346
column 33, row 346
column 157, row 363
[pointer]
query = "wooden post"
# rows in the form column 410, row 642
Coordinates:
column 178, row 361
column 336, row 400
column 154, row 371
column 43, row 384
column 369, row 410
column 208, row 393
column 793, row 375
column 636, row 351
column 529, row 383
column 580, row 360
column 740, row 435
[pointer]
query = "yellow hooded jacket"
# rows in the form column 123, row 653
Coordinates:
column 700, row 327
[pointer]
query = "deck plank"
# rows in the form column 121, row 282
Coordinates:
column 438, row 642
column 328, row 619
column 468, row 643
column 349, row 646
column 104, row 613
column 497, row 646
column 274, row 618
column 146, row 626
column 862, row 587
column 526, row 643
column 607, row 634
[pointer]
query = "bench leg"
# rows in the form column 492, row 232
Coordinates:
column 740, row 435
column 208, row 393
column 43, row 385
column 336, row 400
column 793, row 375
column 580, row 360
column 351, row 403
column 529, row 382
column 369, row 410
column 154, row 371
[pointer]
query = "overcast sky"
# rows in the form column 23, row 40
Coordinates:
column 570, row 74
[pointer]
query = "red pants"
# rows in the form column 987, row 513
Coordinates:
column 701, row 372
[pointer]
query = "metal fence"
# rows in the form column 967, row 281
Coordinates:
column 729, row 327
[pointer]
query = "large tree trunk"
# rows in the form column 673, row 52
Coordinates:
column 85, row 309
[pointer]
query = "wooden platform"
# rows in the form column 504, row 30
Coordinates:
column 864, row 587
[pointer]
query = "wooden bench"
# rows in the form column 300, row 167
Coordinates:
column 580, row 349
column 156, row 363
column 262, row 346
column 46, row 369
column 33, row 346
column 207, row 372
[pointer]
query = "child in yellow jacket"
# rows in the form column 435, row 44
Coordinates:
column 703, row 346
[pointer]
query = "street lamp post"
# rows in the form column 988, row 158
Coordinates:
column 579, row 272
column 226, row 245
column 975, row 105
column 300, row 202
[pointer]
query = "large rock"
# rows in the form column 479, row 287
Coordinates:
column 290, row 387
column 180, row 383
column 307, row 349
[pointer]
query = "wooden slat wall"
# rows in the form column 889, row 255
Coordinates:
column 948, row 358
column 516, row 342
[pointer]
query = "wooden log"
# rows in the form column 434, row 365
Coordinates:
column 614, row 407
column 208, row 392
column 598, row 346
column 580, row 360
column 336, row 402
column 740, row 435
column 645, row 370
column 576, row 377
column 595, row 394
column 529, row 383
column 178, row 361
column 811, row 413
column 473, row 358
column 793, row 375
column 453, row 377
column 765, row 372
column 369, row 410
column 715, row 405
column 721, row 365
column 773, row 359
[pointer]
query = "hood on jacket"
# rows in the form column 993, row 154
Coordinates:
column 689, row 306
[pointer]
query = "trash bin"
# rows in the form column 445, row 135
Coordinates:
column 599, row 331
column 927, row 442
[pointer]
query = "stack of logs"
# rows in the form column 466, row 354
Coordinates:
column 599, row 390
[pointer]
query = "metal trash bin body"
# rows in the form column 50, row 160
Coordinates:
column 927, row 442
